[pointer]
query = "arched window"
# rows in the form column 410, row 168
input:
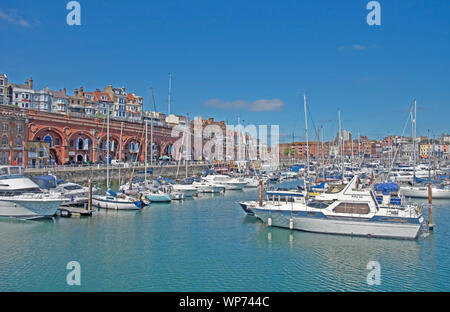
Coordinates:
column 48, row 139
column 131, row 147
column 136, row 147
column 86, row 144
column 79, row 143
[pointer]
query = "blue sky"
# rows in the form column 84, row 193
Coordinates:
column 236, row 58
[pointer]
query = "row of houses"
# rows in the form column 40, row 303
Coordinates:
column 121, row 104
column 399, row 147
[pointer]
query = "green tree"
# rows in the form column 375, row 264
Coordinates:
column 289, row 151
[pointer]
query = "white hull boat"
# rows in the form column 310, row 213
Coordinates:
column 422, row 192
column 22, row 198
column 204, row 187
column 227, row 182
column 187, row 190
column 29, row 206
column 116, row 202
column 352, row 211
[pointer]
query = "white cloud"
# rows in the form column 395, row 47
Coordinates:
column 13, row 17
column 262, row 105
column 357, row 47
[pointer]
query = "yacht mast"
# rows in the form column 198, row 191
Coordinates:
column 146, row 151
column 151, row 125
column 107, row 150
column 341, row 145
column 170, row 94
column 414, row 141
column 120, row 148
column 187, row 145
column 323, row 159
column 307, row 136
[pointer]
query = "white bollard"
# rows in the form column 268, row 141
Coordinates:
column 269, row 221
column 291, row 224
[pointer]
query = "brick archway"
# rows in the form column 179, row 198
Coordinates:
column 57, row 141
column 81, row 143
column 114, row 152
column 129, row 150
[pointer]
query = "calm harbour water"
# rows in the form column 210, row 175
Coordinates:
column 209, row 244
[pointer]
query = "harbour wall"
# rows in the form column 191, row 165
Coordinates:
column 81, row 175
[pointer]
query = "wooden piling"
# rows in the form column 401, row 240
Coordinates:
column 90, row 195
column 260, row 193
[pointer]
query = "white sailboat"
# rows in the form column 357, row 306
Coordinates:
column 421, row 191
column 112, row 200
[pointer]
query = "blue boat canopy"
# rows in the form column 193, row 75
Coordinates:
column 386, row 188
column 112, row 193
column 47, row 181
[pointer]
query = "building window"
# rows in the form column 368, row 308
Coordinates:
column 6, row 158
column 48, row 139
column 4, row 141
column 5, row 127
column 57, row 141
column 19, row 128
column 1, row 82
column 19, row 141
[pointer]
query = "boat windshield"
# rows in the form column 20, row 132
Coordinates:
column 319, row 204
column 336, row 189
column 72, row 187
column 11, row 172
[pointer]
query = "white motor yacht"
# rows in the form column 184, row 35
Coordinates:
column 72, row 193
column 226, row 181
column 20, row 197
column 207, row 187
column 348, row 210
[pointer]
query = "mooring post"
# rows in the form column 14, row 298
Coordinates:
column 90, row 195
column 260, row 193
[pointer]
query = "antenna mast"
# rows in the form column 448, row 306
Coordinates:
column 170, row 94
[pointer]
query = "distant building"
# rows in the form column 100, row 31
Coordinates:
column 13, row 136
column 59, row 101
column 176, row 120
column 134, row 107
column 3, row 89
column 159, row 119
column 118, row 97
column 21, row 95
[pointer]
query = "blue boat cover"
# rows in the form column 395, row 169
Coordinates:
column 419, row 180
column 45, row 181
column 112, row 193
column 386, row 188
column 320, row 186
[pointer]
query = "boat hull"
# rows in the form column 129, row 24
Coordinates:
column 186, row 192
column 157, row 198
column 114, row 204
column 366, row 228
column 423, row 193
column 28, row 209
column 234, row 186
